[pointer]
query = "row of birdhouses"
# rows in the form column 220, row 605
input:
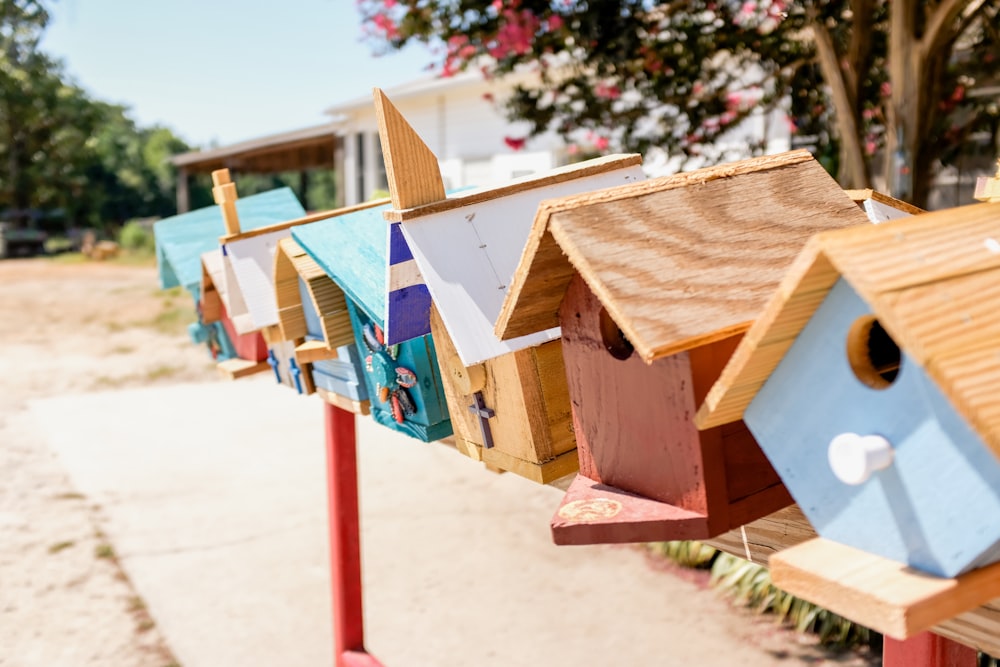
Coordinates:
column 704, row 348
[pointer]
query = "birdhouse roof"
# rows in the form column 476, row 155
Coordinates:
column 352, row 250
column 292, row 264
column 881, row 207
column 250, row 256
column 181, row 239
column 680, row 261
column 932, row 281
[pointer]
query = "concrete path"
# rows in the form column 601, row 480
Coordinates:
column 214, row 497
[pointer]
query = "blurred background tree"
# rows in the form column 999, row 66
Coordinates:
column 66, row 159
column 883, row 89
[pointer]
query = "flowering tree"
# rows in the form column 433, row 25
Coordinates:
column 867, row 78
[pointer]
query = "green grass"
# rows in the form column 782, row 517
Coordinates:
column 161, row 372
column 59, row 546
column 104, row 550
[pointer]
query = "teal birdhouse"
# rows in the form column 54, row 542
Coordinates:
column 402, row 380
column 182, row 239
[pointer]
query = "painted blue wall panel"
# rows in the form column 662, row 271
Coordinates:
column 430, row 420
column 937, row 507
column 181, row 239
column 352, row 250
column 314, row 330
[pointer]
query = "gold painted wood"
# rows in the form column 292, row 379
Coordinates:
column 237, row 368
column 211, row 299
column 931, row 280
column 878, row 593
column 761, row 539
column 313, row 350
column 532, row 426
column 304, row 220
column 344, row 403
column 859, row 196
column 410, row 167
column 524, row 183
column 291, row 263
column 681, row 261
column 224, row 193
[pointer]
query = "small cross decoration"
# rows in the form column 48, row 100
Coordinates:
column 484, row 413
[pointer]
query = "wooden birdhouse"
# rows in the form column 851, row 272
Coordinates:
column 181, row 240
column 303, row 362
column 508, row 399
column 347, row 281
column 249, row 352
column 312, row 313
column 654, row 284
column 870, row 381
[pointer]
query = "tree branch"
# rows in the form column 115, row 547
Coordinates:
column 939, row 29
column 854, row 171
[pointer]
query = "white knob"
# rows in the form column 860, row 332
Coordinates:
column 854, row 457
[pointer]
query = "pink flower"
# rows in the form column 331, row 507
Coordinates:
column 515, row 143
column 554, row 22
column 601, row 143
column 607, row 91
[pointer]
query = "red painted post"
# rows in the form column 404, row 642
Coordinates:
column 927, row 650
column 345, row 543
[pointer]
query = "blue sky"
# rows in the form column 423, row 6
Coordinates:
column 223, row 70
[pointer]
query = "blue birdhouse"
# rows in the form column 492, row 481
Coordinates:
column 871, row 383
column 182, row 239
column 342, row 265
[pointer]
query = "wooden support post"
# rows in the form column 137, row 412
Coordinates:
column 183, row 193
column 224, row 192
column 345, row 544
column 927, row 650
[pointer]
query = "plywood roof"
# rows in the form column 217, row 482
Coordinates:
column 933, row 282
column 678, row 261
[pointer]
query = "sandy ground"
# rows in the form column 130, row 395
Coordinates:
column 68, row 328
column 64, row 601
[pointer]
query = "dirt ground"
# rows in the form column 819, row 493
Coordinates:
column 71, row 328
column 81, row 327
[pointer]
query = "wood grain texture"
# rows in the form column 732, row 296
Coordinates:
column 930, row 280
column 595, row 513
column 634, row 430
column 314, row 350
column 236, row 368
column 876, row 592
column 303, row 220
column 868, row 195
column 979, row 627
column 211, row 298
column 531, row 427
column 683, row 260
column 292, row 266
column 524, row 183
column 411, row 168
column 291, row 319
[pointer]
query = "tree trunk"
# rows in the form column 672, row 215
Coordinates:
column 853, row 170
